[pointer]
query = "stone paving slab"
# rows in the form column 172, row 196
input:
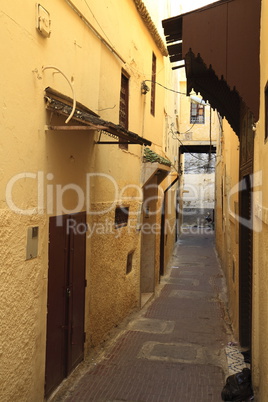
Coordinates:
column 152, row 325
column 174, row 350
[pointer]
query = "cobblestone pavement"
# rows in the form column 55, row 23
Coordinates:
column 174, row 348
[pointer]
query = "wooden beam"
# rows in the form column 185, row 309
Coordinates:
column 176, row 67
column 74, row 128
column 115, row 142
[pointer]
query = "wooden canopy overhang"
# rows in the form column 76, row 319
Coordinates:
column 86, row 120
column 220, row 44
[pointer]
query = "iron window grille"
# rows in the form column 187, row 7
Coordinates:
column 197, row 113
column 124, row 108
column 153, row 86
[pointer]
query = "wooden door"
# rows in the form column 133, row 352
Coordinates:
column 66, row 297
column 246, row 229
column 245, row 256
column 77, row 283
column 162, row 238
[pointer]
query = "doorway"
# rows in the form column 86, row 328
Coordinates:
column 197, row 186
column 245, row 257
column 66, row 297
column 148, row 251
column 246, row 229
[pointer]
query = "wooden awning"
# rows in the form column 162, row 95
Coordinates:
column 84, row 119
column 220, row 44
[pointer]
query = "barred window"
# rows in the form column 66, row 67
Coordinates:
column 153, row 84
column 123, row 109
column 197, row 113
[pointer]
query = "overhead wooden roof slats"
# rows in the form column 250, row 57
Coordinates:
column 221, row 47
column 61, row 104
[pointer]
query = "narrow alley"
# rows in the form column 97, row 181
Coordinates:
column 174, row 349
column 134, row 200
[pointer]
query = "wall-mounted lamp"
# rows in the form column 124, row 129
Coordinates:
column 198, row 100
column 144, row 88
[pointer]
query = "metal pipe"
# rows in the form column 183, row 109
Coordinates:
column 72, row 88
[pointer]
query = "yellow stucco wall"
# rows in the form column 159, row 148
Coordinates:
column 226, row 215
column 196, row 132
column 171, row 229
column 227, row 243
column 196, row 190
column 112, row 292
column 227, row 231
column 260, row 253
column 23, row 308
column 64, row 158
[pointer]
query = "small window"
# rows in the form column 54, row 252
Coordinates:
column 197, row 113
column 266, row 111
column 121, row 217
column 129, row 262
column 123, row 109
column 153, row 84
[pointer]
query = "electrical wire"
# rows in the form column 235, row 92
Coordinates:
column 113, row 49
column 107, row 108
column 186, row 149
column 97, row 22
column 198, row 167
column 90, row 26
column 185, row 132
column 174, row 167
column 220, row 120
column 141, row 73
column 169, row 89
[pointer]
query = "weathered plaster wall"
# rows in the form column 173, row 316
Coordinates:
column 112, row 293
column 64, row 159
column 150, row 236
column 22, row 144
column 260, row 252
column 122, row 169
column 170, row 224
column 196, row 132
column 197, row 191
column 226, row 215
column 23, row 308
column 199, row 197
column 201, row 191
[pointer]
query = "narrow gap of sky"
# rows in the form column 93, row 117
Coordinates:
column 183, row 6
column 162, row 9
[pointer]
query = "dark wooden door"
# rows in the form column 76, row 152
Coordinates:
column 162, row 238
column 245, row 256
column 77, row 285
column 66, row 297
column 245, row 229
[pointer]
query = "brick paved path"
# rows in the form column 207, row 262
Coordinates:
column 173, row 350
